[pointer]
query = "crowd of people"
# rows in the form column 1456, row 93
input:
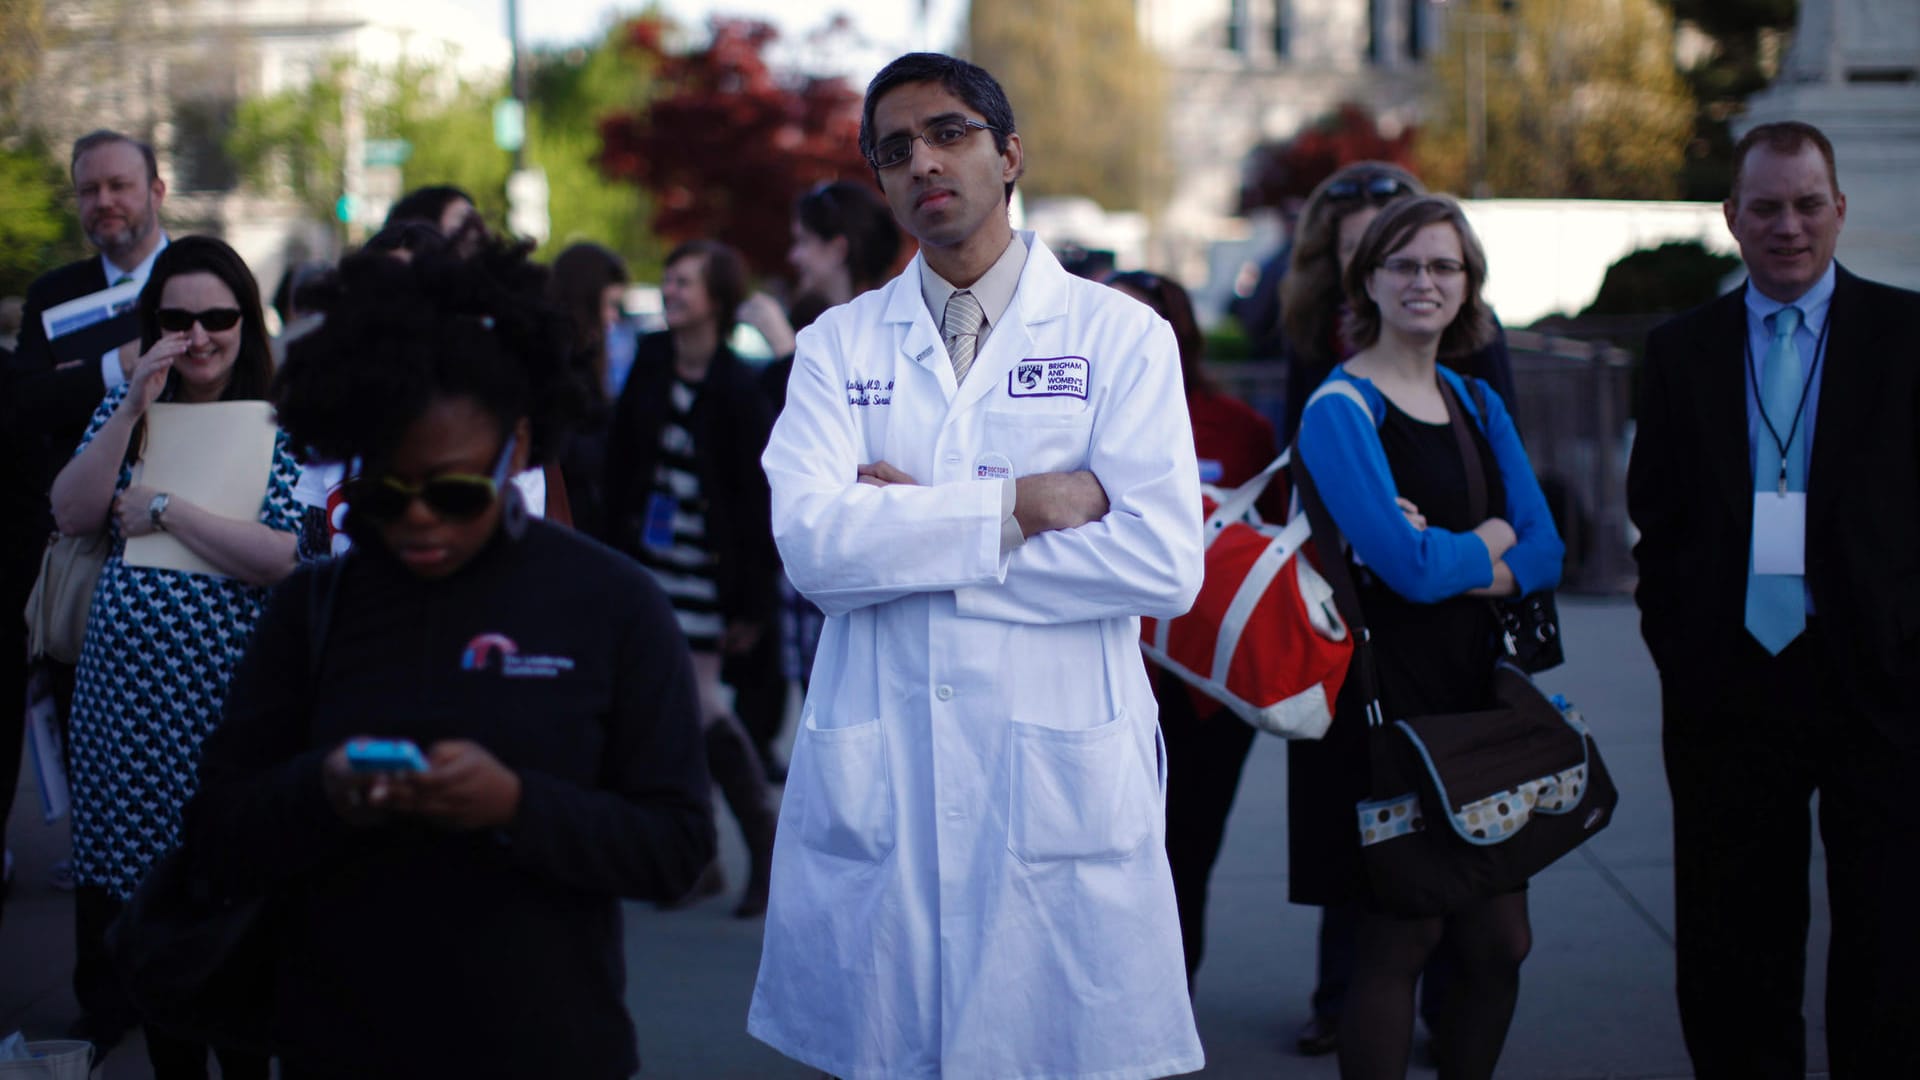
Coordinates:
column 575, row 569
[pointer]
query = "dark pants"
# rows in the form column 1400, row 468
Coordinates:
column 1744, row 760
column 108, row 1010
column 18, row 569
column 1205, row 756
column 760, row 693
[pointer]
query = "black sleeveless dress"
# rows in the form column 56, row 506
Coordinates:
column 1431, row 658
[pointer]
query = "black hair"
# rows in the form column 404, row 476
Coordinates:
column 413, row 236
column 399, row 334
column 102, row 137
column 971, row 83
column 253, row 367
column 724, row 272
column 581, row 276
column 1169, row 300
column 297, row 294
column 845, row 208
column 425, row 204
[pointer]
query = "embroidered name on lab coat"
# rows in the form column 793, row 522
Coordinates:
column 869, row 391
column 1056, row 376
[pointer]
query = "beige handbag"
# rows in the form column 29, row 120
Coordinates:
column 62, row 595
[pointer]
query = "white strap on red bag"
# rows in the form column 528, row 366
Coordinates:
column 1263, row 638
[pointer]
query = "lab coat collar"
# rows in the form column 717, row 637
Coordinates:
column 1040, row 297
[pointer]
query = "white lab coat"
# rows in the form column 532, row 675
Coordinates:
column 970, row 877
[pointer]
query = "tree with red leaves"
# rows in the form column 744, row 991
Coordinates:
column 727, row 145
column 1291, row 169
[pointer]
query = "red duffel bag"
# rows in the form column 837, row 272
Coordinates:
column 1263, row 638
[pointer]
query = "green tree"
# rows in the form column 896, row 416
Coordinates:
column 295, row 141
column 1746, row 44
column 572, row 91
column 1089, row 95
column 38, row 229
column 1581, row 97
column 23, row 32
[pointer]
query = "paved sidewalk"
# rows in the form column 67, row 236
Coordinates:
column 1596, row 997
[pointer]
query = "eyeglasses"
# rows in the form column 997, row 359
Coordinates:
column 938, row 135
column 1377, row 186
column 1437, row 269
column 453, row 496
column 175, row 320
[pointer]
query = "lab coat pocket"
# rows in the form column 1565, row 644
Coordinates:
column 1041, row 440
column 1077, row 794
column 849, row 796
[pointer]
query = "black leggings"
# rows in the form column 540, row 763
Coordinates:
column 1489, row 940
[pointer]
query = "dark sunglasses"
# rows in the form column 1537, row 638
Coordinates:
column 453, row 496
column 1375, row 186
column 175, row 320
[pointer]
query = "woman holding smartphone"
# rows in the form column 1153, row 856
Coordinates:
column 540, row 676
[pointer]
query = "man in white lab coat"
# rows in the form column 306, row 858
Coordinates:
column 984, row 475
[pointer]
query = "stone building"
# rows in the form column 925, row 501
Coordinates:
column 1244, row 72
column 1853, row 70
column 173, row 72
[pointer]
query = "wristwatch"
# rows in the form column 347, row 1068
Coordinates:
column 158, row 509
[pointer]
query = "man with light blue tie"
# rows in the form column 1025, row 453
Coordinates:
column 1775, row 481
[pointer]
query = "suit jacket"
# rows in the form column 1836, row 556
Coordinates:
column 46, row 408
column 729, row 425
column 1690, row 491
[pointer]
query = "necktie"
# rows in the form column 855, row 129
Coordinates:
column 123, row 279
column 960, row 325
column 1776, row 603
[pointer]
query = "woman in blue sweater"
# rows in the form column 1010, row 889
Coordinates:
column 1376, row 440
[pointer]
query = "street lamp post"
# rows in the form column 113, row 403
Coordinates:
column 517, row 76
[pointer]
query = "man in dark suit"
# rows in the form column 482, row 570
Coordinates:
column 1776, row 484
column 49, row 397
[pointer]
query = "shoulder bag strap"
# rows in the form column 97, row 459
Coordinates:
column 1330, row 544
column 1469, row 453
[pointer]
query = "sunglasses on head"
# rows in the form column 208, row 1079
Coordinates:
column 453, row 496
column 1375, row 186
column 175, row 320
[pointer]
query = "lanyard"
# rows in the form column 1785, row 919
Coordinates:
column 1806, row 387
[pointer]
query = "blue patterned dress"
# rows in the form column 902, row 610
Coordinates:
column 160, row 650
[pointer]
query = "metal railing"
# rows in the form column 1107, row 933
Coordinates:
column 1574, row 412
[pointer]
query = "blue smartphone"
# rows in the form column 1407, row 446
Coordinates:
column 385, row 755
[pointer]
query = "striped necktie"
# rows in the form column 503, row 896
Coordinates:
column 960, row 325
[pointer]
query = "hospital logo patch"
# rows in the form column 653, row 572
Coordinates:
column 1058, row 376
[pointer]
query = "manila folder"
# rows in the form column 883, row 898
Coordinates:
column 216, row 456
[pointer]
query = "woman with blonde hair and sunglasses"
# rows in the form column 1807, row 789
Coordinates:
column 1384, row 456
column 451, row 753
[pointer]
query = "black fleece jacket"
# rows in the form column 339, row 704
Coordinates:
column 408, row 950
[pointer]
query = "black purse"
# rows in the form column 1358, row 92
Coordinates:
column 1530, row 629
column 196, row 960
column 1530, row 624
column 1471, row 805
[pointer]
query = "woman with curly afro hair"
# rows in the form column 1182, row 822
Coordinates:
column 536, row 701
